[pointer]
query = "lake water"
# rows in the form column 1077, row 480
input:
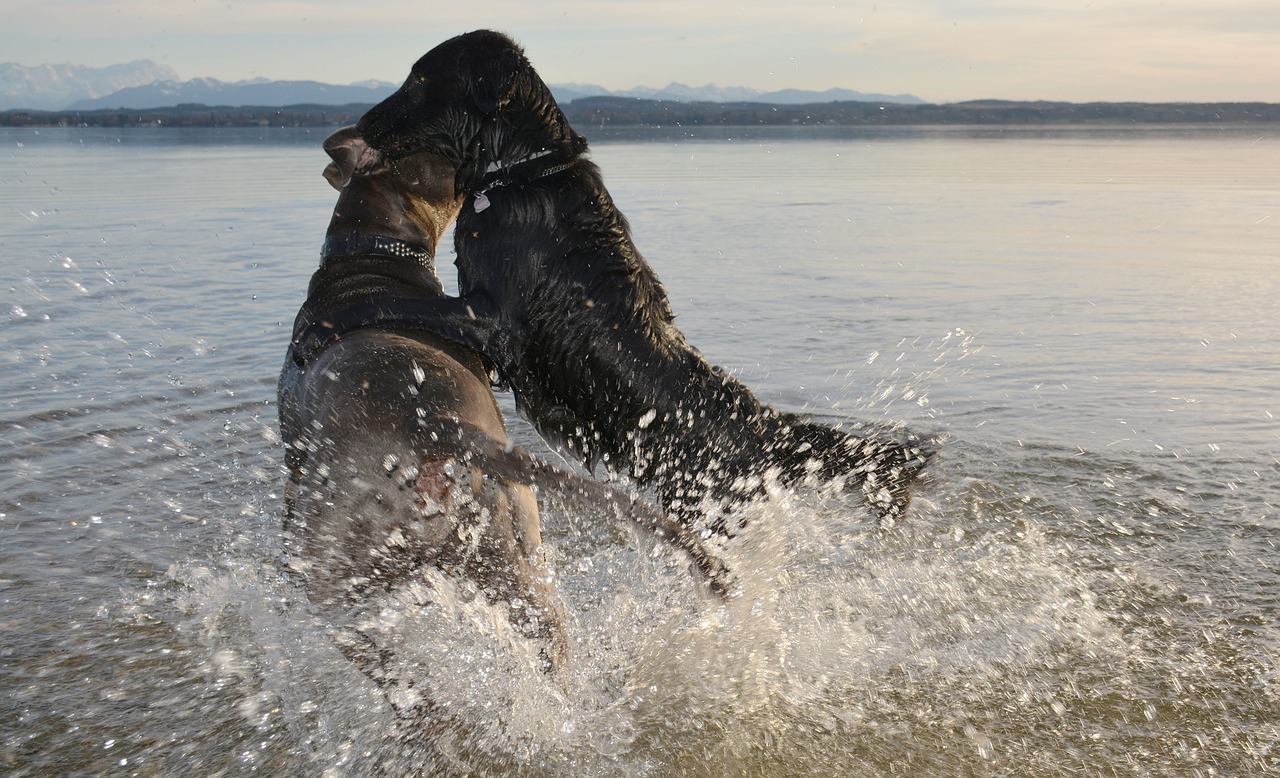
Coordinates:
column 1087, row 585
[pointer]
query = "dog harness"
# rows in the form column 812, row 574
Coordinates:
column 450, row 318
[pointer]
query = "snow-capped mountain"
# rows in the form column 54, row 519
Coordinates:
column 53, row 87
column 738, row 94
column 260, row 92
column 710, row 93
column 145, row 84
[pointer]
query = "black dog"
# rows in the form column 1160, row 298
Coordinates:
column 577, row 323
column 397, row 452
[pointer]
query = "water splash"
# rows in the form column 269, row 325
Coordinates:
column 964, row 637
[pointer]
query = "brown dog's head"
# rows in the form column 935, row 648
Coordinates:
column 476, row 100
column 386, row 192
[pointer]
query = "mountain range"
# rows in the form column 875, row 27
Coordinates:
column 55, row 87
column 146, row 84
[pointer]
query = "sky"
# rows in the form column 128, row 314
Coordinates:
column 939, row 50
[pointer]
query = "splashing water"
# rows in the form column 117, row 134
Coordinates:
column 969, row 638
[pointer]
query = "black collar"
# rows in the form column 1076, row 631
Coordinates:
column 355, row 243
column 500, row 173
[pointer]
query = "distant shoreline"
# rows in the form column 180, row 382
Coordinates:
column 606, row 112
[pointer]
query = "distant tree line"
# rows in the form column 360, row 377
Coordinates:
column 629, row 112
column 600, row 111
column 191, row 116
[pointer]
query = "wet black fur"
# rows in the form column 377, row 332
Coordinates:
column 584, row 333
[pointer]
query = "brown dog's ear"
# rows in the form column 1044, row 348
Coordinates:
column 351, row 155
column 342, row 147
column 336, row 177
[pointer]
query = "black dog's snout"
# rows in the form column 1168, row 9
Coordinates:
column 373, row 129
column 381, row 128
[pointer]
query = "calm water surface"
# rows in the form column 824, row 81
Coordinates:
column 1088, row 584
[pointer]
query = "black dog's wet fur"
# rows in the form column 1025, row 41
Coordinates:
column 575, row 320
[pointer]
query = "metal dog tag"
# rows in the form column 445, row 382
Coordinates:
column 482, row 202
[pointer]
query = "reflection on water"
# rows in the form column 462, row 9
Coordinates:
column 1087, row 583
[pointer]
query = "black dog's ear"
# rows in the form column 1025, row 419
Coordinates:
column 495, row 77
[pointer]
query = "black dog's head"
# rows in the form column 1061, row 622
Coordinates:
column 476, row 100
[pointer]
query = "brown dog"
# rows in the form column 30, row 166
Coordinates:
column 397, row 452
